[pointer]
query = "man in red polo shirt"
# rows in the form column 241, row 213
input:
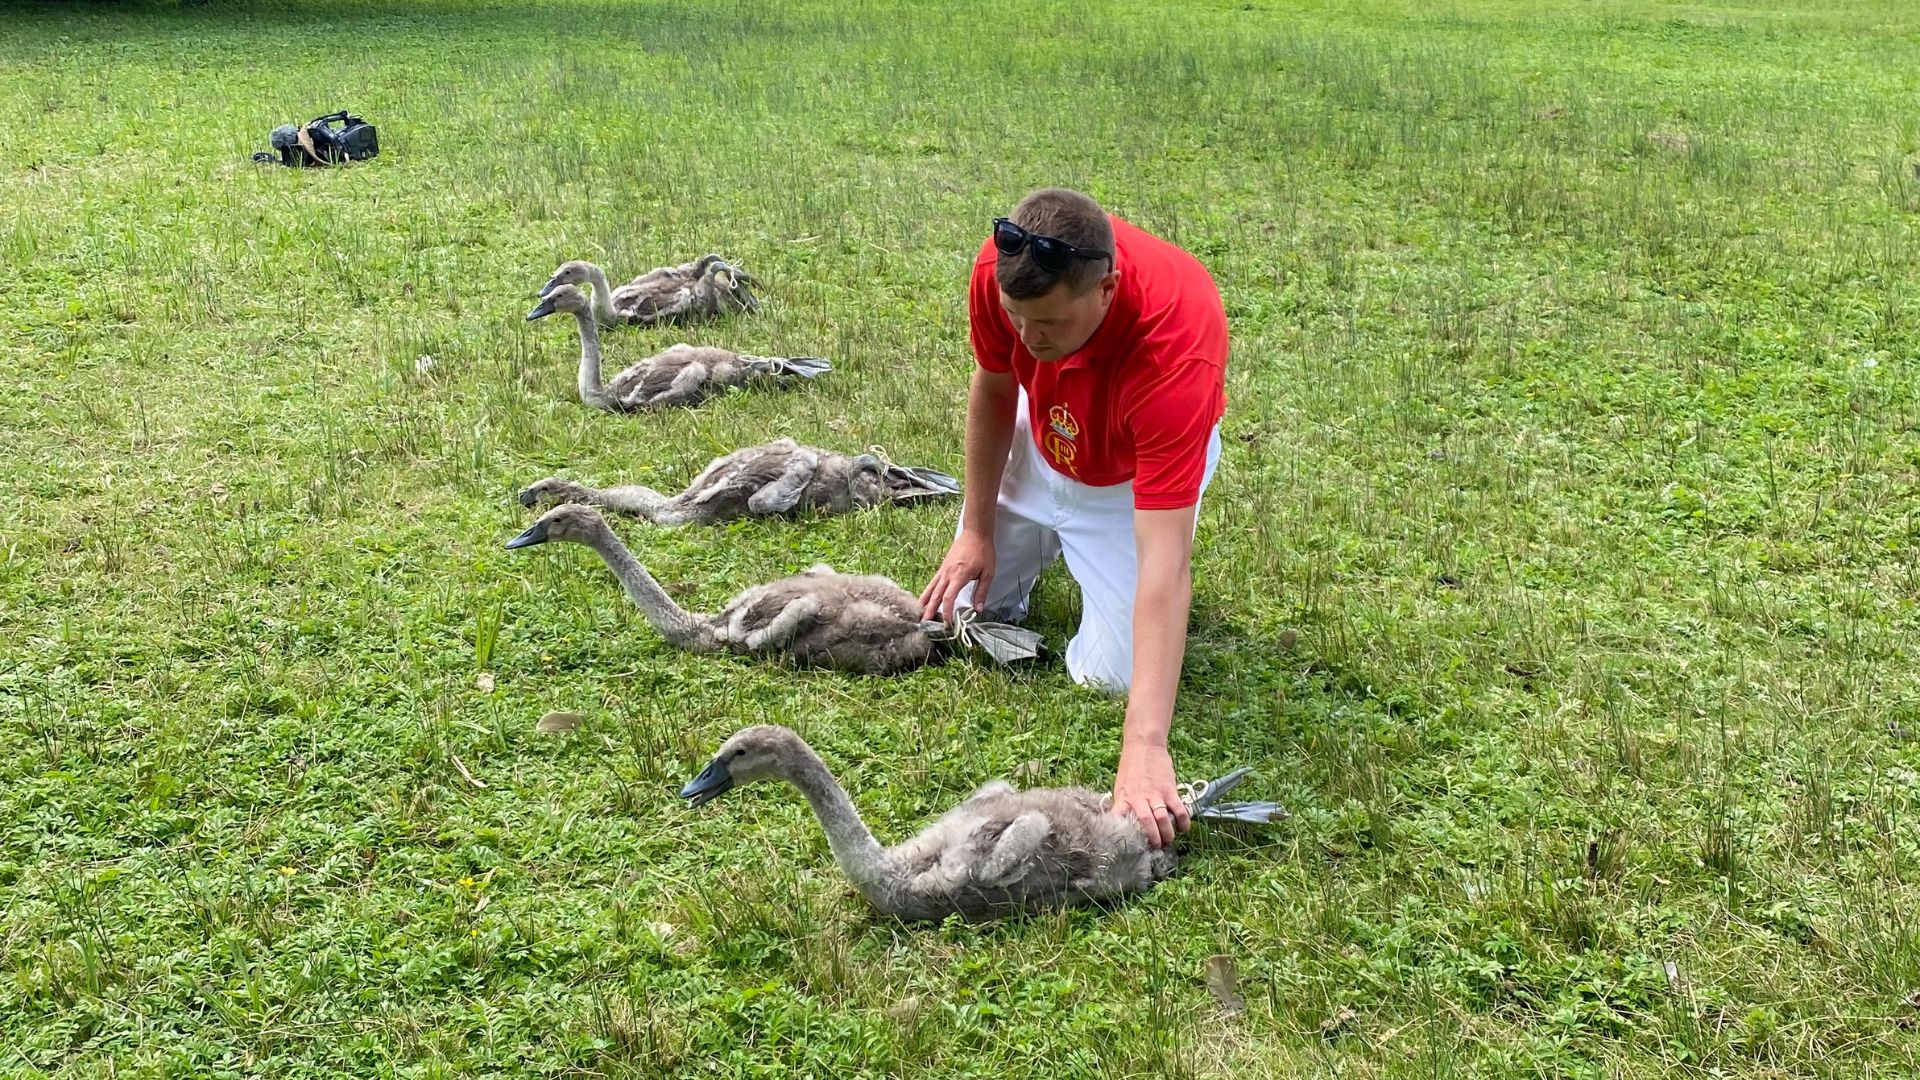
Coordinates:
column 1092, row 430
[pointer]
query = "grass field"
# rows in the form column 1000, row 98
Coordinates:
column 1560, row 575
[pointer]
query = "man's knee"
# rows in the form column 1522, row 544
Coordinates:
column 1101, row 658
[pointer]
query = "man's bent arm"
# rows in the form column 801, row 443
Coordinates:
column 1164, row 542
column 991, row 399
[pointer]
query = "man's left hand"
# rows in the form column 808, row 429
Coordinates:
column 1145, row 789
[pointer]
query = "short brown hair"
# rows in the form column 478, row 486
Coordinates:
column 1064, row 215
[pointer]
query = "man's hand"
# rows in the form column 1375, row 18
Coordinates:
column 970, row 559
column 1145, row 789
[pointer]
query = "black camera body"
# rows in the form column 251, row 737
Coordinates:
column 326, row 140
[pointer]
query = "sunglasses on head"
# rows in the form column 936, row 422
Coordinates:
column 1051, row 254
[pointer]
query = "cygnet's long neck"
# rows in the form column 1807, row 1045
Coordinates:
column 860, row 856
column 642, row 502
column 679, row 626
column 591, row 391
column 602, row 294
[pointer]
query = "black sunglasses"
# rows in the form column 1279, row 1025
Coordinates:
column 1051, row 254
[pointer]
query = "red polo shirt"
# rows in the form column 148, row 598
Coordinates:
column 1140, row 399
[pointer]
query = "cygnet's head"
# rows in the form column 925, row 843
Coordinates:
column 577, row 272
column 567, row 298
column 567, row 523
column 551, row 492
column 761, row 752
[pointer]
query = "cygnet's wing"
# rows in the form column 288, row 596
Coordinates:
column 711, row 480
column 740, row 474
column 1010, row 857
column 785, row 491
column 905, row 482
column 663, row 305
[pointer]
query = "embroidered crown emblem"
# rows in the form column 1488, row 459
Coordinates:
column 1063, row 422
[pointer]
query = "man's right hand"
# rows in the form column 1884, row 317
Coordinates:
column 970, row 559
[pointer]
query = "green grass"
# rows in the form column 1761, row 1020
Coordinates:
column 1560, row 574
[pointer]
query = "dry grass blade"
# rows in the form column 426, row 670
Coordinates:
column 464, row 774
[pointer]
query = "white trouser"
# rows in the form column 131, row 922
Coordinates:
column 1044, row 514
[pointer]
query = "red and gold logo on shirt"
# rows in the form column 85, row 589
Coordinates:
column 1062, row 430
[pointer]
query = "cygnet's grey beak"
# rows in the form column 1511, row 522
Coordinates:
column 552, row 284
column 528, row 499
column 545, row 309
column 536, row 534
column 713, row 782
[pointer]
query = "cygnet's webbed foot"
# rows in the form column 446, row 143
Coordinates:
column 905, row 483
column 1004, row 643
column 1203, row 800
column 1258, row 813
column 807, row 367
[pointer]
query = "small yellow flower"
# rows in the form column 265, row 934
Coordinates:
column 466, row 883
column 287, row 870
column 473, row 933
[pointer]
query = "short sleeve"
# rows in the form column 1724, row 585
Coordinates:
column 987, row 323
column 1172, row 424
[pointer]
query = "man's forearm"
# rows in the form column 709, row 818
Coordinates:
column 1159, row 648
column 991, row 399
column 1162, row 600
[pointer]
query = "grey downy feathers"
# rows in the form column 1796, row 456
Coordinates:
column 855, row 622
column 707, row 287
column 780, row 477
column 679, row 375
column 1000, row 852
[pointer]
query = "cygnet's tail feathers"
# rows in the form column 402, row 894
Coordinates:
column 906, row 482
